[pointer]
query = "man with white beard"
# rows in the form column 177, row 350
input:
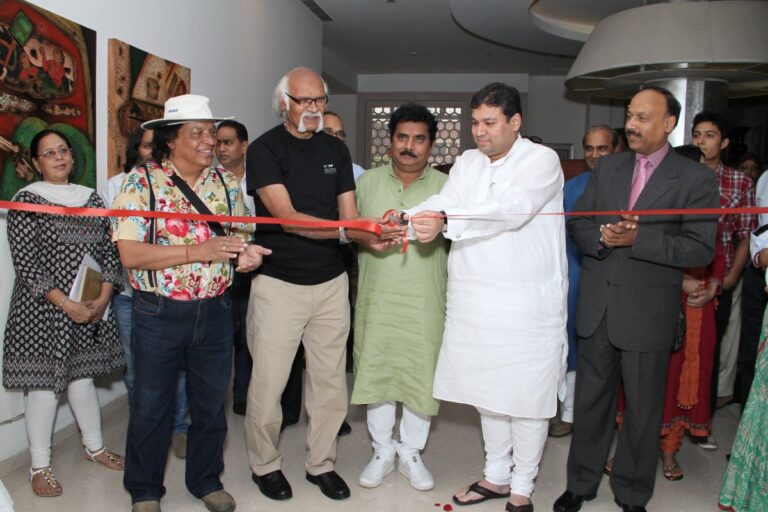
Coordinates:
column 297, row 171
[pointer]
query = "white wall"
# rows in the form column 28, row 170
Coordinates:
column 346, row 106
column 237, row 51
column 558, row 115
column 551, row 112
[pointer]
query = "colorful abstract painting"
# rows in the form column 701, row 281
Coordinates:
column 47, row 67
column 139, row 83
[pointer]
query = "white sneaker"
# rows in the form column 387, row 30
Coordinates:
column 411, row 467
column 379, row 467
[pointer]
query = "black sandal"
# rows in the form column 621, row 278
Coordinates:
column 485, row 493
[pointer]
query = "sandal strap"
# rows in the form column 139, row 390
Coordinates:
column 96, row 453
column 47, row 473
column 485, row 492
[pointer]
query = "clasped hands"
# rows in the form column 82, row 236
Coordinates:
column 698, row 292
column 249, row 256
column 87, row 311
column 620, row 234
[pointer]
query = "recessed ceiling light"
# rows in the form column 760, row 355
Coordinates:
column 413, row 52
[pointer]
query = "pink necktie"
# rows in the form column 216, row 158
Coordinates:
column 639, row 179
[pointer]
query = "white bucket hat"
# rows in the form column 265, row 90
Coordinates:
column 184, row 109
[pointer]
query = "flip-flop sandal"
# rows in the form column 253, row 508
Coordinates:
column 673, row 472
column 486, row 494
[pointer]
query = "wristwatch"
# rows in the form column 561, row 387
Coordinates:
column 445, row 221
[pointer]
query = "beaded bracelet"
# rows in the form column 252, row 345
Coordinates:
column 66, row 299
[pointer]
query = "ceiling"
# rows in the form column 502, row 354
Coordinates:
column 539, row 37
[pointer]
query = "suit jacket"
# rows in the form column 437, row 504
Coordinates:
column 637, row 288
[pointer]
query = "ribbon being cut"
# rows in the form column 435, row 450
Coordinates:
column 363, row 225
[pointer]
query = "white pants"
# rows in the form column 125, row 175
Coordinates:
column 511, row 441
column 414, row 428
column 566, row 406
column 729, row 346
column 41, row 413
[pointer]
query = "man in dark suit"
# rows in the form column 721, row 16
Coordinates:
column 629, row 298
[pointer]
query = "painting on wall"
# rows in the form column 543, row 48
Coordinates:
column 138, row 85
column 47, row 68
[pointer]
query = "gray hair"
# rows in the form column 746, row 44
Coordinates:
column 281, row 90
column 597, row 127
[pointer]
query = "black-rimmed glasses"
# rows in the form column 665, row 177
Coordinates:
column 320, row 101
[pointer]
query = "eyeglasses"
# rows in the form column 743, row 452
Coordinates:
column 320, row 101
column 51, row 153
column 341, row 134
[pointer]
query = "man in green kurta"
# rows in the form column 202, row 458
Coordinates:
column 400, row 309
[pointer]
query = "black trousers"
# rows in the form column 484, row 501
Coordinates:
column 600, row 368
column 753, row 304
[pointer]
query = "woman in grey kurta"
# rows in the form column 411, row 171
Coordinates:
column 400, row 309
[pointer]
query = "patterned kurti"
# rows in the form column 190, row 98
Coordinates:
column 745, row 484
column 400, row 310
column 197, row 280
column 44, row 348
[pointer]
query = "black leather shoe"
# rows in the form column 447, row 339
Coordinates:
column 570, row 502
column 345, row 429
column 273, row 485
column 628, row 508
column 239, row 408
column 331, row 484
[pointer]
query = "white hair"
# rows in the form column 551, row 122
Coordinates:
column 281, row 90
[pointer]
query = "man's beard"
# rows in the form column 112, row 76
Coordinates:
column 308, row 115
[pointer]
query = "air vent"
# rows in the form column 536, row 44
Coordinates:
column 317, row 10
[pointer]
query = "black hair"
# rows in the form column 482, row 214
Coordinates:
column 500, row 95
column 747, row 156
column 132, row 149
column 240, row 129
column 689, row 151
column 414, row 113
column 162, row 137
column 34, row 146
column 719, row 120
column 673, row 106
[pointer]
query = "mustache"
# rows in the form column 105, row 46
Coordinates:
column 407, row 152
column 632, row 132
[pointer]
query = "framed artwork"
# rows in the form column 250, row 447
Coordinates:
column 138, row 83
column 47, row 68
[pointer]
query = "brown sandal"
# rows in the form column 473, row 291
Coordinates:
column 44, row 483
column 106, row 458
column 672, row 471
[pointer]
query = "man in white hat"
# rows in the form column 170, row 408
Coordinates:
column 181, row 272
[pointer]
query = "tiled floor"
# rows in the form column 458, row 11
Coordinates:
column 454, row 455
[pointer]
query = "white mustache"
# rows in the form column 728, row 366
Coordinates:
column 310, row 115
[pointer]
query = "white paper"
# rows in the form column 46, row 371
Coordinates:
column 77, row 284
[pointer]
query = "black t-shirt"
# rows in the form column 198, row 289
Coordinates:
column 315, row 171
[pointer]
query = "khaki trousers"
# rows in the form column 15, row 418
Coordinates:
column 280, row 316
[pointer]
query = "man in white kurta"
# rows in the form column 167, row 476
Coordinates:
column 505, row 344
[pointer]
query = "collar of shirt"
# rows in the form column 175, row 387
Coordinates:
column 396, row 177
column 656, row 157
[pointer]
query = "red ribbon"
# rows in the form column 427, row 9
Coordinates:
column 362, row 225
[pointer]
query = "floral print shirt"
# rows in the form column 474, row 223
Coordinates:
column 192, row 281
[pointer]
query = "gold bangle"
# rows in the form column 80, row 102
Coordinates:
column 66, row 299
